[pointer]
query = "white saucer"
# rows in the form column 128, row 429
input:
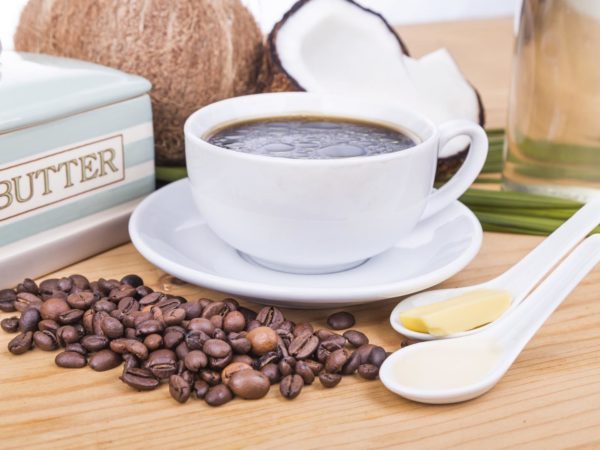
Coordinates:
column 167, row 230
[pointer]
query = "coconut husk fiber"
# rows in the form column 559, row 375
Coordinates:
column 194, row 52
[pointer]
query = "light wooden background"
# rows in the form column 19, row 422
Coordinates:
column 549, row 399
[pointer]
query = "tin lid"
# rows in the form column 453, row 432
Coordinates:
column 37, row 88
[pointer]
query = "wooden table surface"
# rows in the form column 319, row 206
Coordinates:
column 550, row 398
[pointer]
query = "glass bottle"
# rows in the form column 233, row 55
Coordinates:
column 553, row 134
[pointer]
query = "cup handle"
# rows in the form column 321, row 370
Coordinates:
column 470, row 168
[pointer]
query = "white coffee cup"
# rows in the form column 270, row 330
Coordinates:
column 321, row 215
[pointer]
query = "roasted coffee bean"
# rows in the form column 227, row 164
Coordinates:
column 49, row 286
column 377, row 356
column 340, row 320
column 253, row 324
column 263, row 339
column 173, row 338
column 81, row 300
column 303, row 328
column 305, row 372
column 151, row 299
column 142, row 291
column 140, row 379
column 168, row 303
column 139, row 317
column 218, row 395
column 322, row 354
column 75, row 347
column 67, row 334
column 45, row 340
column 29, row 320
column 10, row 324
column 232, row 368
column 335, row 362
column 174, row 316
column 332, row 344
column 192, row 310
column 217, row 321
column 94, row 343
column 112, row 328
column 267, row 358
column 285, row 368
column 210, row 376
column 48, row 325
column 356, row 338
column 80, row 282
column 70, row 317
column 53, row 308
column 21, row 343
column 271, row 371
column 132, row 280
column 303, row 345
column 88, row 321
column 216, row 348
column 368, row 371
column 149, row 327
column 105, row 360
column 8, row 298
column 351, row 366
column 195, row 360
column 97, row 320
column 215, row 309
column 219, row 363
column 234, row 321
column 201, row 324
column 330, row 380
column 104, row 305
column 133, row 346
column 120, row 292
column 130, row 361
column 179, row 388
column 363, row 352
column 290, row 386
column 240, row 344
column 220, row 334
column 243, row 358
column 162, row 363
column 65, row 284
column 130, row 333
column 287, row 326
column 333, row 339
column 231, row 303
column 249, row 384
column 249, row 315
column 270, row 316
column 182, row 350
column 70, row 360
column 153, row 341
column 128, row 305
column 315, row 366
column 200, row 388
column 195, row 340
column 28, row 285
column 25, row 300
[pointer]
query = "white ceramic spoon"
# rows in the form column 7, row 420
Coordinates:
column 519, row 279
column 454, row 370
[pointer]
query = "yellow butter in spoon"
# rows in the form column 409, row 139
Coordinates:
column 461, row 313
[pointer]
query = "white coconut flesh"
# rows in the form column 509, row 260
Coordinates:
column 337, row 47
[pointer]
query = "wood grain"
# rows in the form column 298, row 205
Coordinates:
column 549, row 399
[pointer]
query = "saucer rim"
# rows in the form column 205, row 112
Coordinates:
column 259, row 290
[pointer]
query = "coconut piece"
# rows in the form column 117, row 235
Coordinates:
column 340, row 47
column 194, row 52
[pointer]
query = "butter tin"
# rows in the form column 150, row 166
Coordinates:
column 76, row 156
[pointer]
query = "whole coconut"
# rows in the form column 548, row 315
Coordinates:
column 194, row 52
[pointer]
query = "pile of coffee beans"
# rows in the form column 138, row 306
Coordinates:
column 213, row 350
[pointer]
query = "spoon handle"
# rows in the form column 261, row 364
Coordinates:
column 532, row 268
column 518, row 327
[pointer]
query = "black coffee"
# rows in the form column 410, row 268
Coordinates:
column 311, row 137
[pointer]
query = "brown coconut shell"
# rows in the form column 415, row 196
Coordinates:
column 274, row 78
column 194, row 52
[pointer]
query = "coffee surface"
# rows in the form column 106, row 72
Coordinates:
column 311, row 137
